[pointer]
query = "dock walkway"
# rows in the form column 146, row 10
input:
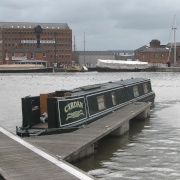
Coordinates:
column 21, row 162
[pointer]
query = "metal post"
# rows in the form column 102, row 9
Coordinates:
column 174, row 40
column 84, row 48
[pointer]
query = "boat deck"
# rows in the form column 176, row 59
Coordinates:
column 41, row 126
column 19, row 161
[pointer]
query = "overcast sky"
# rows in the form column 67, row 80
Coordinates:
column 107, row 24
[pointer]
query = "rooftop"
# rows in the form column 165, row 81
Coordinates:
column 105, row 86
column 32, row 25
column 146, row 48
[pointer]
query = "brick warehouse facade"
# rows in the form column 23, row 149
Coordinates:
column 51, row 42
column 157, row 53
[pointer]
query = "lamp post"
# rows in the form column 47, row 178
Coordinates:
column 84, row 48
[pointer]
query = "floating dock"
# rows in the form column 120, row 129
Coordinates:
column 21, row 160
column 48, row 157
column 24, row 68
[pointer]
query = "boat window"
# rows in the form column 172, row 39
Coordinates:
column 113, row 98
column 145, row 86
column 101, row 103
column 135, row 90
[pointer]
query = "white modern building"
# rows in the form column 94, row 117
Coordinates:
column 89, row 58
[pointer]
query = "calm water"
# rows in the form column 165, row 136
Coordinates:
column 151, row 149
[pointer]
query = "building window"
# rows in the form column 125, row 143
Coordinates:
column 101, row 102
column 113, row 98
column 32, row 55
column 44, row 54
column 24, row 54
column 155, row 55
column 145, row 87
column 135, row 90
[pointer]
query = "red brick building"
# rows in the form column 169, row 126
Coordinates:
column 157, row 53
column 51, row 42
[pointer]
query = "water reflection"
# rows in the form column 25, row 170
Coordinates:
column 111, row 147
column 149, row 151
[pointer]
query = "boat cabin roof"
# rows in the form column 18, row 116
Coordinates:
column 102, row 87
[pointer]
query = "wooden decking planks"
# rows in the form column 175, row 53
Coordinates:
column 65, row 145
column 19, row 162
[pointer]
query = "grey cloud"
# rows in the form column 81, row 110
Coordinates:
column 108, row 24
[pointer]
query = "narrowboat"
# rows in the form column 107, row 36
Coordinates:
column 67, row 110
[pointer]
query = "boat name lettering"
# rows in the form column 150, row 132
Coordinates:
column 73, row 105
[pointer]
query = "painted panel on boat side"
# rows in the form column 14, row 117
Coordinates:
column 71, row 111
